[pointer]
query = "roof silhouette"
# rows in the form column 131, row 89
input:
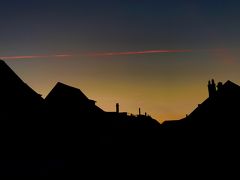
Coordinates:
column 14, row 92
column 225, row 97
column 61, row 89
column 69, row 98
column 230, row 86
column 218, row 110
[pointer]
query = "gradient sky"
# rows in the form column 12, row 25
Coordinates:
column 202, row 38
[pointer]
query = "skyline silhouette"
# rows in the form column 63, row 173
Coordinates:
column 50, row 137
column 16, row 94
column 121, row 89
column 193, row 41
column 65, row 96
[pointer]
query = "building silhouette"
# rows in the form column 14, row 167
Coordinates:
column 219, row 110
column 66, row 98
column 40, row 135
column 222, row 102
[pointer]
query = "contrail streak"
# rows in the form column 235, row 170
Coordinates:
column 137, row 52
column 35, row 56
column 99, row 54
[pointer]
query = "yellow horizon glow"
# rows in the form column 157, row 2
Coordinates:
column 165, row 88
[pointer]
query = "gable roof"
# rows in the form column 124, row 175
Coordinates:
column 67, row 98
column 231, row 84
column 61, row 90
column 14, row 91
column 230, row 87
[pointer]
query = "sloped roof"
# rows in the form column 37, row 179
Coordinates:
column 13, row 89
column 70, row 98
column 225, row 99
column 63, row 90
column 231, row 87
column 231, row 84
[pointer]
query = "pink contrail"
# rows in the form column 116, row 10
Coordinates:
column 34, row 56
column 99, row 54
column 137, row 52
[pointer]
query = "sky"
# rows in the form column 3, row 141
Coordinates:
column 153, row 54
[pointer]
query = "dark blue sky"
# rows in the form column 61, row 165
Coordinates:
column 36, row 27
column 119, row 24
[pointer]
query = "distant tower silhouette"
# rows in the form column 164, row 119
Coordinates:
column 117, row 108
column 211, row 88
column 139, row 111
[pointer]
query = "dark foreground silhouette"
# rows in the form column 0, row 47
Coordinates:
column 67, row 135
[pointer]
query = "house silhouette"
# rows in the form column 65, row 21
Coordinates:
column 219, row 110
column 66, row 98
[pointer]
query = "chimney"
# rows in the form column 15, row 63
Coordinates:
column 117, row 108
column 139, row 111
column 211, row 88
